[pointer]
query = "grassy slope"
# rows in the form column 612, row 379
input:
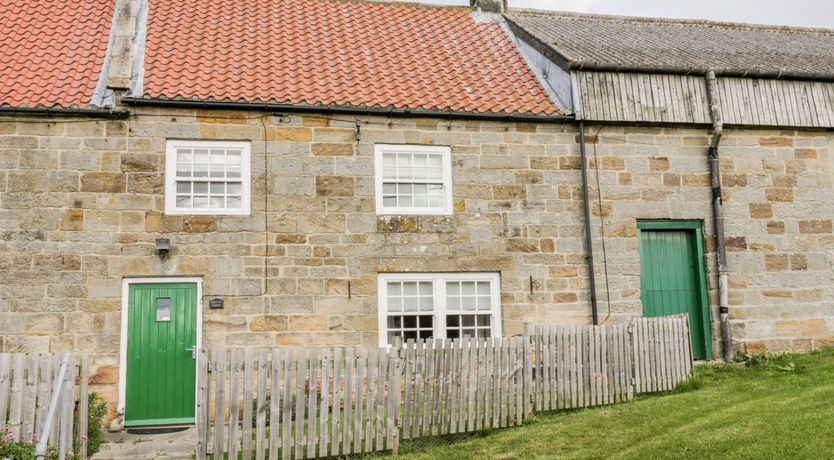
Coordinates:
column 738, row 412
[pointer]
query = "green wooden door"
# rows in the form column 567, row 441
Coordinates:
column 672, row 277
column 161, row 370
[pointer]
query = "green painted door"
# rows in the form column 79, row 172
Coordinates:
column 161, row 370
column 672, row 277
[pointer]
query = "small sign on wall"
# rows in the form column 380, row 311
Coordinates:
column 215, row 304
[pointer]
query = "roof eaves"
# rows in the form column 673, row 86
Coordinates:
column 366, row 110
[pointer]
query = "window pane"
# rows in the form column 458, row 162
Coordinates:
column 233, row 172
column 233, row 157
column 200, row 187
column 201, row 202
column 183, row 170
column 395, row 304
column 201, row 156
column 217, row 171
column 183, row 187
column 183, row 155
column 234, row 202
column 395, row 288
column 200, row 170
column 183, row 201
column 409, row 321
column 217, row 188
column 410, row 303
column 395, row 321
column 217, row 202
column 233, row 188
column 218, row 157
column 426, row 288
column 468, row 288
column 483, row 288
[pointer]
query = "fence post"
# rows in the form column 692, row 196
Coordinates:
column 527, row 372
column 84, row 398
column 202, row 405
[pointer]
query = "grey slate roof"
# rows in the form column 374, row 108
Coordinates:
column 642, row 44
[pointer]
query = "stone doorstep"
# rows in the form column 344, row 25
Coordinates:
column 123, row 445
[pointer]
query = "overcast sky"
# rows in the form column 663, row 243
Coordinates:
column 811, row 13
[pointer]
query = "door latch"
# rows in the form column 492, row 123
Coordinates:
column 193, row 351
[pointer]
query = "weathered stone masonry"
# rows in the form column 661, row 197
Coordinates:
column 82, row 203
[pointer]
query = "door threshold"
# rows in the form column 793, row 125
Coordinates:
column 157, row 429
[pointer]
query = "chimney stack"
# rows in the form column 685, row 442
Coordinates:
column 490, row 6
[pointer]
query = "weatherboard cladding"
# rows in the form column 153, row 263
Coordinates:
column 681, row 99
column 346, row 54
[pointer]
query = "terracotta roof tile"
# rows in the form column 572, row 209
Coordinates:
column 328, row 52
column 51, row 52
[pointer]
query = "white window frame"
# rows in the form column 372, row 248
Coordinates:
column 445, row 151
column 171, row 178
column 440, row 311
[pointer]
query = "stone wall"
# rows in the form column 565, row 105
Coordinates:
column 82, row 204
column 779, row 206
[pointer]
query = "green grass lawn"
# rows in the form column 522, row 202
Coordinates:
column 782, row 408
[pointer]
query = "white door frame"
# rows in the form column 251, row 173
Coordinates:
column 126, row 282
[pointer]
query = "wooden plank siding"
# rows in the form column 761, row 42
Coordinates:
column 682, row 99
column 642, row 97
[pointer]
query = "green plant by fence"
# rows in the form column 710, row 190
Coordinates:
column 308, row 403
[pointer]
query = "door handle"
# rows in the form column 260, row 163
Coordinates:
column 193, row 351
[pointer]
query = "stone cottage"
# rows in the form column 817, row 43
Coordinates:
column 317, row 172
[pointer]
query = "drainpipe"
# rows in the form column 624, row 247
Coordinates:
column 718, row 216
column 589, row 245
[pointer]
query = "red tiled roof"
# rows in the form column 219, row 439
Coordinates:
column 51, row 51
column 328, row 52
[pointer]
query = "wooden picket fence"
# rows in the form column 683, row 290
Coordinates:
column 322, row 402
column 662, row 353
column 26, row 387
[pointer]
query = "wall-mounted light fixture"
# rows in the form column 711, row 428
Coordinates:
column 162, row 246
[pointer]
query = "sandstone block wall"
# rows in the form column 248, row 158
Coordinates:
column 81, row 204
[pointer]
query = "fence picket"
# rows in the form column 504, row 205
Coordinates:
column 202, row 399
column 362, row 368
column 288, row 364
column 219, row 400
column 326, row 391
column 246, row 423
column 261, row 409
column 336, row 422
column 276, row 397
column 312, row 400
column 234, row 399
